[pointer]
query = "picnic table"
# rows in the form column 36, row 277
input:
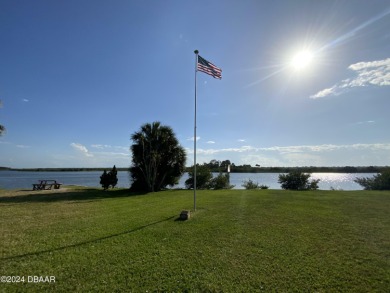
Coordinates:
column 46, row 185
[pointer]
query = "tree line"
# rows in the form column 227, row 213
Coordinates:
column 221, row 166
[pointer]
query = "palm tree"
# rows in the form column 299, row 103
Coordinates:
column 158, row 159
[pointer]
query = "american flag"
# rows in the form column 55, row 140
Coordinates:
column 209, row 68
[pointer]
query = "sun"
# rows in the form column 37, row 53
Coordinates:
column 302, row 60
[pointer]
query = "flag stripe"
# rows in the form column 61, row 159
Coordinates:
column 209, row 68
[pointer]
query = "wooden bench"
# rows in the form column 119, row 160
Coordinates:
column 46, row 185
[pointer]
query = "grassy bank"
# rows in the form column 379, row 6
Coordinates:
column 238, row 240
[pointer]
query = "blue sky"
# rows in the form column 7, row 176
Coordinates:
column 77, row 78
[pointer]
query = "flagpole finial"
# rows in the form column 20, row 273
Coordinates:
column 196, row 52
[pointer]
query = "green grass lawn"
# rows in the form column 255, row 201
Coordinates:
column 237, row 241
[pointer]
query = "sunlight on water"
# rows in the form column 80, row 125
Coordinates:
column 328, row 181
column 338, row 180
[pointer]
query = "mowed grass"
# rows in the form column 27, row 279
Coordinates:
column 237, row 241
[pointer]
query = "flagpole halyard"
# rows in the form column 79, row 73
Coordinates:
column 209, row 68
column 196, row 70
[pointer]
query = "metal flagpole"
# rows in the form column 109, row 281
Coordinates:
column 196, row 70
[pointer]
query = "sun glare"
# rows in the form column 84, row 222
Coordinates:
column 301, row 60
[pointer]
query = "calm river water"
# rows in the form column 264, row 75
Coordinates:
column 24, row 180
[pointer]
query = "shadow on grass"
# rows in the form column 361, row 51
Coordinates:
column 83, row 194
column 37, row 253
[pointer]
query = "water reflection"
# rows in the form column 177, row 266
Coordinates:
column 338, row 180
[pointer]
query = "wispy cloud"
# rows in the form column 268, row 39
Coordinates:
column 210, row 142
column 296, row 149
column 100, row 146
column 25, row 100
column 300, row 155
column 192, row 138
column 111, row 154
column 22, row 146
column 364, row 122
column 225, row 150
column 81, row 148
column 107, row 146
column 328, row 147
column 376, row 73
column 241, row 140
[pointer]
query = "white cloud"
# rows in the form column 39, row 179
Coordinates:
column 300, row 155
column 241, row 140
column 364, row 122
column 111, row 154
column 210, row 142
column 82, row 149
column 192, row 138
column 373, row 64
column 123, row 148
column 325, row 92
column 375, row 73
column 217, row 151
column 326, row 148
column 25, row 100
column 107, row 146
column 100, row 146
column 22, row 146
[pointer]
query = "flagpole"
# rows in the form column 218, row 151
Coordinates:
column 196, row 70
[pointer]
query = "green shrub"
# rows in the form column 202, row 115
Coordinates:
column 252, row 185
column 203, row 177
column 105, row 180
column 109, row 178
column 296, row 180
column 379, row 181
column 222, row 181
column 205, row 180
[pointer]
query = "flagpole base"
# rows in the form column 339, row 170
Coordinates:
column 185, row 215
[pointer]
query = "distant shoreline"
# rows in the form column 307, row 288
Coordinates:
column 234, row 169
column 60, row 169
